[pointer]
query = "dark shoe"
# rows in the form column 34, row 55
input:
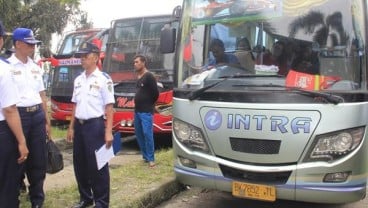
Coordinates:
column 82, row 204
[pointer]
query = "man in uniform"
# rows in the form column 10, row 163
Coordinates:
column 27, row 77
column 93, row 97
column 13, row 148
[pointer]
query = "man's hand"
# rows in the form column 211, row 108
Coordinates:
column 108, row 139
column 48, row 130
column 70, row 135
column 23, row 152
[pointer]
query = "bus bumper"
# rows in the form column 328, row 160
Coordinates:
column 316, row 193
column 124, row 123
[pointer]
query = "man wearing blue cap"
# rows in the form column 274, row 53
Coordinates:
column 27, row 76
column 93, row 97
column 13, row 148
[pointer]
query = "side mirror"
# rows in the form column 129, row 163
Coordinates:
column 168, row 33
column 167, row 39
column 97, row 42
column 177, row 12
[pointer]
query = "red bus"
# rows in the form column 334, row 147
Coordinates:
column 65, row 67
column 129, row 37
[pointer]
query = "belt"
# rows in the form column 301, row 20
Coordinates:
column 30, row 109
column 85, row 121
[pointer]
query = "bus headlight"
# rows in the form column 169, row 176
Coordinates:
column 54, row 107
column 130, row 123
column 335, row 145
column 123, row 123
column 190, row 136
column 165, row 110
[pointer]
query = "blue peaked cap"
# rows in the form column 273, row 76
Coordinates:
column 24, row 35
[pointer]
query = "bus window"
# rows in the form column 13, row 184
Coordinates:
column 63, row 75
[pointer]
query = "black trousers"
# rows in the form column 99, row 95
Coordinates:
column 34, row 128
column 93, row 184
column 10, row 170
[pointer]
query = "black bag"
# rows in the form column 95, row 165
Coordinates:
column 55, row 161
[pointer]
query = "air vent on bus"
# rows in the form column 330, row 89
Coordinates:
column 275, row 178
column 255, row 146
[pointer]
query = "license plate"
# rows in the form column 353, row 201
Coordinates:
column 68, row 118
column 254, row 191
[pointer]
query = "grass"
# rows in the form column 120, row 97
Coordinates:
column 58, row 132
column 126, row 182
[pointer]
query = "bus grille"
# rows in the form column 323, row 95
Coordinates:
column 255, row 146
column 274, row 178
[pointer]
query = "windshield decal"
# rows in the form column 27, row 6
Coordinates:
column 208, row 11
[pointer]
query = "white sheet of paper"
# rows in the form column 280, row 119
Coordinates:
column 103, row 156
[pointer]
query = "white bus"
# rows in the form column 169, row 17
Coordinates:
column 287, row 117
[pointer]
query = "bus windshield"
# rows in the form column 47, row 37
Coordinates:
column 132, row 36
column 73, row 40
column 315, row 45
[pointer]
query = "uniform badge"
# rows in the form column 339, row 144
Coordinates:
column 17, row 72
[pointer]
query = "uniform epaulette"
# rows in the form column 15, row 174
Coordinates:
column 4, row 60
column 106, row 75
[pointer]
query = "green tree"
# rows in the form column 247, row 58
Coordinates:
column 5, row 15
column 44, row 17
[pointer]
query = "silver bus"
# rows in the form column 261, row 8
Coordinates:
column 270, row 100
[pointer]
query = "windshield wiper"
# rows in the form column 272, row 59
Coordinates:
column 196, row 93
column 335, row 99
column 331, row 98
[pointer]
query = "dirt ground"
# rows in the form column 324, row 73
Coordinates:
column 66, row 178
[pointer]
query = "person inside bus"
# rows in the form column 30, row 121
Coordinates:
column 306, row 60
column 276, row 57
column 217, row 48
column 291, row 51
column 244, row 54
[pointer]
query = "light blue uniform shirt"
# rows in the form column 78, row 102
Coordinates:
column 91, row 94
column 8, row 91
column 28, row 79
